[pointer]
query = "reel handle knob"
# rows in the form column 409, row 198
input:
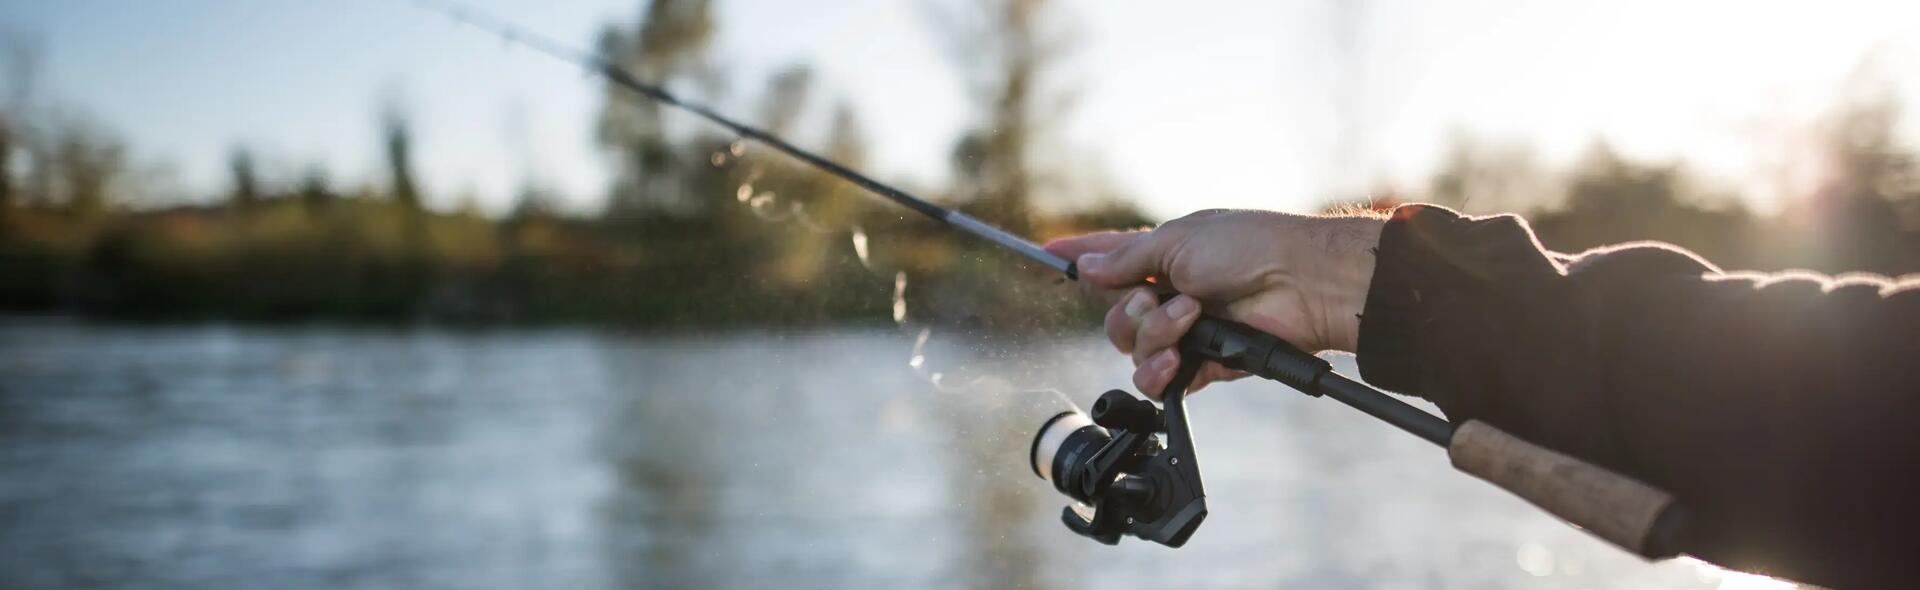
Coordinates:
column 1119, row 410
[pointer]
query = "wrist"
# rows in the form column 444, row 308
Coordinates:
column 1346, row 276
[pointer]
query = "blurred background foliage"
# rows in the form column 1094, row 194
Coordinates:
column 698, row 229
column 1860, row 214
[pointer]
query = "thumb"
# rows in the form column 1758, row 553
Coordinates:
column 1128, row 265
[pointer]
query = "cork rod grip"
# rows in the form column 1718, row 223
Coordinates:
column 1614, row 507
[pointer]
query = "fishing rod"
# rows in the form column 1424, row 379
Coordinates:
column 620, row 76
column 1132, row 466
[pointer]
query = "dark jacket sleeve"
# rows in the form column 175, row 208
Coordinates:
column 1783, row 410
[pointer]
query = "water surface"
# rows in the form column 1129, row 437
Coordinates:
column 326, row 457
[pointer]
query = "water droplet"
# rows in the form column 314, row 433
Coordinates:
column 1535, row 559
column 745, row 192
column 765, row 205
column 900, row 297
column 739, row 148
column 860, row 248
column 718, row 159
column 919, row 349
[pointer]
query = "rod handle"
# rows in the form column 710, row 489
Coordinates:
column 1245, row 348
column 1626, row 512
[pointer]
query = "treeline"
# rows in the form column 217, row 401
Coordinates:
column 697, row 229
column 1854, row 205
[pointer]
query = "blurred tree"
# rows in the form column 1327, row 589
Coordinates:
column 6, row 161
column 415, row 273
column 86, row 162
column 1866, row 214
column 1866, row 154
column 246, row 181
column 786, row 99
column 1006, row 51
column 1610, row 200
column 847, row 144
column 826, row 209
column 21, row 65
column 399, row 144
column 533, row 200
column 667, row 45
column 315, row 191
column 1476, row 176
column 1606, row 185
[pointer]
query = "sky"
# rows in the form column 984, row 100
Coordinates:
column 1181, row 105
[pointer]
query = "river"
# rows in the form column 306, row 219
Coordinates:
column 212, row 456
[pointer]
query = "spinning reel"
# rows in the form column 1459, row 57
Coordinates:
column 1130, row 466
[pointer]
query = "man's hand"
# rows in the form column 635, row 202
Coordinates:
column 1298, row 277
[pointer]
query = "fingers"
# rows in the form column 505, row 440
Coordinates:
column 1128, row 263
column 1152, row 377
column 1161, row 327
column 1073, row 248
column 1123, row 320
column 1150, row 333
column 1213, row 373
column 1145, row 255
column 1140, row 326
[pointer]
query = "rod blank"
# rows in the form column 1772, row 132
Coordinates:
column 619, row 76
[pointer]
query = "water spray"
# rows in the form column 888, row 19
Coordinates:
column 1133, row 468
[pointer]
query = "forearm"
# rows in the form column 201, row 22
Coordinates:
column 1776, row 408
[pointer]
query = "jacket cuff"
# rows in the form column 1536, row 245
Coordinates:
column 1437, row 277
column 1389, row 322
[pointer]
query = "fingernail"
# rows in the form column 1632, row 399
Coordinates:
column 1182, row 306
column 1138, row 303
column 1163, row 362
column 1091, row 260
